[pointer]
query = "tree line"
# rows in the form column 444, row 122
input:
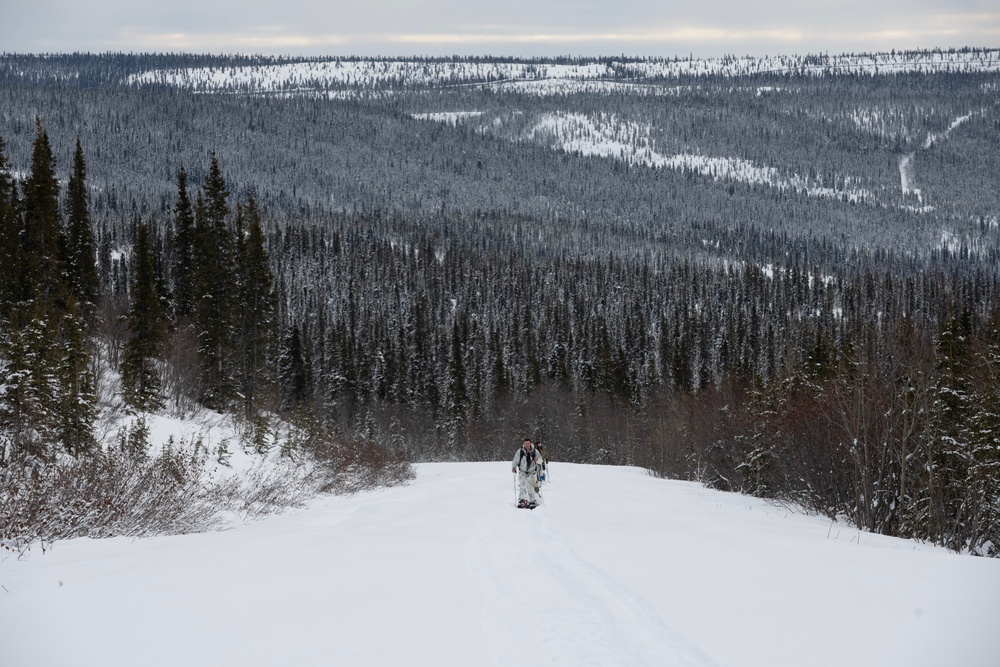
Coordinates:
column 868, row 392
column 213, row 294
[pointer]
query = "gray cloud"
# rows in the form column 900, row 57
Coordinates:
column 518, row 27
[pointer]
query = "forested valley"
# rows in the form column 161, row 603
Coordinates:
column 782, row 283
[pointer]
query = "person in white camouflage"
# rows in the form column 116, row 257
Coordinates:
column 526, row 464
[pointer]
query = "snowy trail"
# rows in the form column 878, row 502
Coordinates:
column 944, row 136
column 907, row 176
column 906, row 179
column 617, row 568
column 558, row 608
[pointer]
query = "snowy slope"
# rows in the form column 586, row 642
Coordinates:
column 617, row 568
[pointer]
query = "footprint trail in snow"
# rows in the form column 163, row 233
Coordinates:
column 545, row 605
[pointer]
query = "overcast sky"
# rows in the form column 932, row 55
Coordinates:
column 504, row 27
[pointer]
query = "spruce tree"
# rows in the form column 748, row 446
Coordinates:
column 256, row 307
column 293, row 373
column 215, row 291
column 458, row 394
column 940, row 505
column 76, row 401
column 47, row 397
column 983, row 429
column 498, row 370
column 28, row 393
column 81, row 268
column 11, row 251
column 182, row 268
column 42, row 237
column 147, row 330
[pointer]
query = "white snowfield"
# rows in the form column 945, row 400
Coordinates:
column 617, row 568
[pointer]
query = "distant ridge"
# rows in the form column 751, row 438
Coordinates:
column 336, row 73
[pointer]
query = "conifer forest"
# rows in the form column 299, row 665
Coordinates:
column 780, row 278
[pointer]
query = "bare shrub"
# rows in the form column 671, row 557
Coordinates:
column 351, row 465
column 106, row 495
column 266, row 488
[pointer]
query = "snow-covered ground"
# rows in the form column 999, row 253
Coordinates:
column 452, row 118
column 617, row 568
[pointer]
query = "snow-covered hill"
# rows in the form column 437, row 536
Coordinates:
column 617, row 568
column 363, row 73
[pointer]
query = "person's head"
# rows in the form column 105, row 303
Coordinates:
column 527, row 444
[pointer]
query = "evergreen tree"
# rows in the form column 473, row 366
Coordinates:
column 28, row 393
column 942, row 500
column 147, row 330
column 458, row 394
column 215, row 291
column 182, row 268
column 76, row 401
column 81, row 267
column 500, row 385
column 11, row 252
column 983, row 481
column 256, row 307
column 77, row 398
column 293, row 372
column 42, row 234
column 47, row 398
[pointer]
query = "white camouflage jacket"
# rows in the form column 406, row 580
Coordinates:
column 526, row 462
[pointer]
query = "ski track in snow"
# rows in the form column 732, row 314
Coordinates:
column 558, row 608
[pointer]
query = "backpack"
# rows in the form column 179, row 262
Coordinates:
column 533, row 462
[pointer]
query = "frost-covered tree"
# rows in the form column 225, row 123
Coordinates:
column 29, row 388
